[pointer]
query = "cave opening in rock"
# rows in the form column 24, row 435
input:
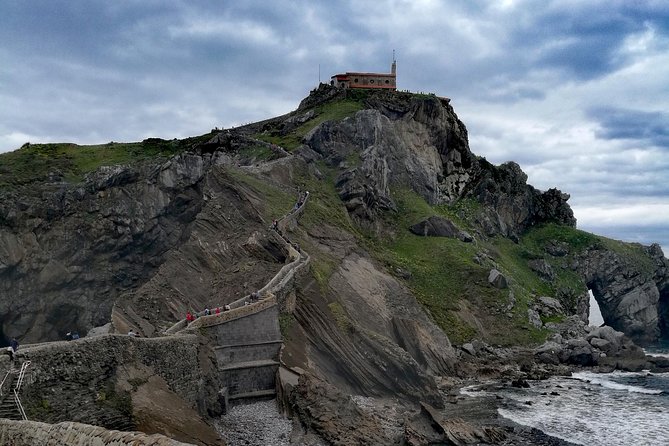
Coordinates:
column 4, row 340
column 663, row 312
column 595, row 317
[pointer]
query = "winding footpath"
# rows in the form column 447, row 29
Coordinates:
column 246, row 337
column 247, row 305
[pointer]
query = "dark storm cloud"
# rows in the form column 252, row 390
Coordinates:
column 581, row 40
column 644, row 126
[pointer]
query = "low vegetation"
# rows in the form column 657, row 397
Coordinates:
column 71, row 162
column 333, row 111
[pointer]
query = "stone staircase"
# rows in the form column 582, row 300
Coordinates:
column 247, row 337
column 8, row 407
column 11, row 385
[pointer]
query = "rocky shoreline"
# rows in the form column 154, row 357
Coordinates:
column 483, row 412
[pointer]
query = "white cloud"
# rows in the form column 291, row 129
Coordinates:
column 642, row 214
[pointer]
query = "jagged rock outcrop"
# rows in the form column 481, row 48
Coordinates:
column 420, row 143
column 578, row 344
column 155, row 239
column 633, row 296
column 134, row 247
column 436, row 226
column 332, row 414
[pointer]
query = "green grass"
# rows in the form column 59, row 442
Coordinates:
column 276, row 201
column 538, row 238
column 443, row 275
column 324, row 207
column 633, row 253
column 322, row 268
column 34, row 162
column 449, row 284
column 286, row 322
column 258, row 153
column 340, row 317
column 331, row 111
column 513, row 259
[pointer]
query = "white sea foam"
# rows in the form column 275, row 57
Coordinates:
column 658, row 354
column 605, row 380
column 613, row 411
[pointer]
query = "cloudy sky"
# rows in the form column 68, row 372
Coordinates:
column 577, row 92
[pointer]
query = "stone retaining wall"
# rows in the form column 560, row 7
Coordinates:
column 30, row 433
column 247, row 352
column 261, row 326
column 250, row 378
column 76, row 380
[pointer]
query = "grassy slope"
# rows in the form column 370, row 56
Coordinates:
column 34, row 162
column 333, row 111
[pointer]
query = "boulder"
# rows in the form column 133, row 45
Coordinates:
column 542, row 268
column 549, row 353
column 602, row 344
column 557, row 248
column 549, row 306
column 497, row 279
column 469, row 348
column 579, row 352
column 534, row 318
column 607, row 333
column 436, row 226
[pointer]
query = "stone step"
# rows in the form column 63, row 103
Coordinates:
column 255, row 394
column 250, row 365
column 248, row 344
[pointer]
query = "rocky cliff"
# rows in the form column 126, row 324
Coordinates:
column 416, row 244
column 419, row 142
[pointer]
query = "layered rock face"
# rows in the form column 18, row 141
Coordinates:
column 401, row 140
column 633, row 298
column 153, row 240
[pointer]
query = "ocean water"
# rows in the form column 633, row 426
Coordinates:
column 592, row 409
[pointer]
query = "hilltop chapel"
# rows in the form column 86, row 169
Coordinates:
column 385, row 81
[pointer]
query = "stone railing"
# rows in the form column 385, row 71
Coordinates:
column 235, row 313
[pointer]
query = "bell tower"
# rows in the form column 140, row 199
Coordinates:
column 393, row 67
